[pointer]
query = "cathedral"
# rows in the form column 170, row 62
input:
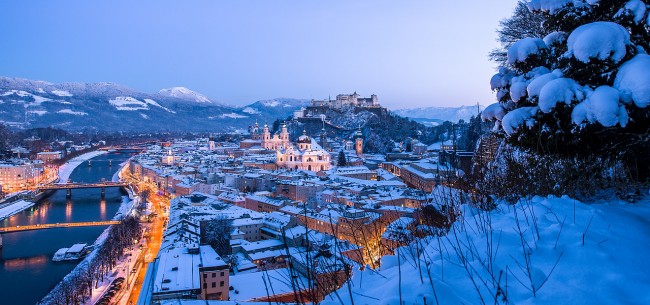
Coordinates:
column 275, row 142
column 308, row 155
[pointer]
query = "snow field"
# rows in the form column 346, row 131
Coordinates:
column 576, row 253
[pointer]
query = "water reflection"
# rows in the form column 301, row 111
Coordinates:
column 23, row 262
column 27, row 272
column 102, row 209
column 68, row 209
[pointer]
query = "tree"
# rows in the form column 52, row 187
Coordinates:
column 581, row 91
column 523, row 23
column 216, row 233
column 276, row 126
column 5, row 137
column 342, row 160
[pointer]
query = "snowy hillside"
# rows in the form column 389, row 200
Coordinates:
column 453, row 114
column 278, row 108
column 184, row 94
column 108, row 106
column 544, row 251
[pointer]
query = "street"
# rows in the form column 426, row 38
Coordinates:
column 153, row 234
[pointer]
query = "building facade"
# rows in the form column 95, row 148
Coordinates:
column 20, row 174
column 308, row 155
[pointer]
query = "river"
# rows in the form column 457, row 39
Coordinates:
column 27, row 272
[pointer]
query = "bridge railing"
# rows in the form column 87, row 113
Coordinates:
column 58, row 225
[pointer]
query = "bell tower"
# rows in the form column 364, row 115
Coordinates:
column 358, row 142
column 212, row 144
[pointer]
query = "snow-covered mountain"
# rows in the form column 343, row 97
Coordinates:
column 184, row 94
column 113, row 107
column 453, row 114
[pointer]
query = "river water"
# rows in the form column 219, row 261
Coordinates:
column 27, row 272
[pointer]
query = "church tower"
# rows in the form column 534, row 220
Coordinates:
column 169, row 158
column 358, row 142
column 212, row 144
column 284, row 133
column 266, row 135
column 323, row 138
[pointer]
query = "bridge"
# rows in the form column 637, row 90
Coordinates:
column 70, row 186
column 58, row 225
column 125, row 148
column 55, row 225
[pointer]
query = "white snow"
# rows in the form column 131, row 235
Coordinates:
column 594, row 253
column 547, row 5
column 602, row 106
column 16, row 92
column 186, row 94
column 633, row 81
column 539, row 82
column 66, row 169
column 233, row 116
column 493, row 112
column 601, row 40
column 518, row 88
column 515, row 118
column 252, row 286
column 634, row 8
column 38, row 99
column 524, row 48
column 154, row 103
column 144, row 116
column 15, row 208
column 501, row 79
column 70, row 111
column 555, row 38
column 127, row 103
column 61, row 93
column 561, row 90
column 38, row 112
column 270, row 103
column 250, row 110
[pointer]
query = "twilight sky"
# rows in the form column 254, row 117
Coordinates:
column 410, row 53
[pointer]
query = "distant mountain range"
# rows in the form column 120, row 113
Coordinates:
column 433, row 116
column 113, row 107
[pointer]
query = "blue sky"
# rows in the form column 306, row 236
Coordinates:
column 409, row 53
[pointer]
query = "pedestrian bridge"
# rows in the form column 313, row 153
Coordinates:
column 58, row 225
column 74, row 185
column 55, row 225
column 69, row 186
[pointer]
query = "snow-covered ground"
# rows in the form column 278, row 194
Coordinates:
column 568, row 252
column 116, row 176
column 66, row 169
column 118, row 271
column 14, row 208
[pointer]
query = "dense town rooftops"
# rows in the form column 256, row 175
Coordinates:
column 178, row 269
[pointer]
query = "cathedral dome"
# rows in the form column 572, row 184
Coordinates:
column 304, row 138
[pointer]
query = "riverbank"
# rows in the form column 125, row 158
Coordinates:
column 123, row 265
column 66, row 169
column 14, row 208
